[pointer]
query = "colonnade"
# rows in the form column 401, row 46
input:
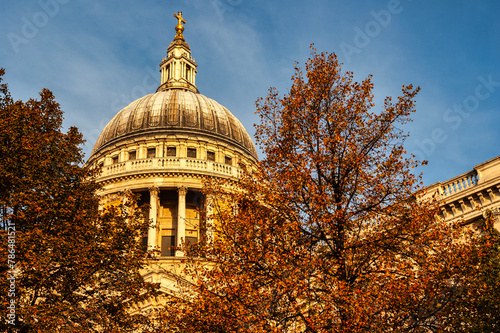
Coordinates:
column 180, row 228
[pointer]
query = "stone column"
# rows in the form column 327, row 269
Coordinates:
column 181, row 220
column 209, row 220
column 153, row 213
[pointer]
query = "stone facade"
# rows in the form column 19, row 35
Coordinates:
column 471, row 196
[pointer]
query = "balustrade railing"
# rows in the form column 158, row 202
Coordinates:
column 170, row 163
column 197, row 164
column 459, row 183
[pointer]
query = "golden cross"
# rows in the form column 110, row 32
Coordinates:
column 179, row 17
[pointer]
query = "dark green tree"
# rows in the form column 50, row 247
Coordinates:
column 66, row 265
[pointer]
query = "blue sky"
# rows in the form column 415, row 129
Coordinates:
column 98, row 56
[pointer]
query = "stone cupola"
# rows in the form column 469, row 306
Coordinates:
column 178, row 69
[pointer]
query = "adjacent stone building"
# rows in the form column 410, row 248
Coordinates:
column 471, row 196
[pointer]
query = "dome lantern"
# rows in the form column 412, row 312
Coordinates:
column 178, row 69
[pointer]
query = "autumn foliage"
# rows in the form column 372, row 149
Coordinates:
column 478, row 308
column 65, row 265
column 328, row 233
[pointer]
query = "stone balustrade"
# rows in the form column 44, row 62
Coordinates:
column 458, row 184
column 170, row 164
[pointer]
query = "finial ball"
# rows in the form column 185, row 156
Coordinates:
column 179, row 28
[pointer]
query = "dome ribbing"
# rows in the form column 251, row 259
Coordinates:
column 173, row 111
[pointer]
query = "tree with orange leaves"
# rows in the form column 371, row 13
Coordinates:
column 327, row 234
column 478, row 309
column 65, row 264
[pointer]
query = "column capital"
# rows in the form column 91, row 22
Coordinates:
column 182, row 190
column 126, row 195
column 154, row 190
column 126, row 192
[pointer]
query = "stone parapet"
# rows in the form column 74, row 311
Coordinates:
column 166, row 164
column 469, row 196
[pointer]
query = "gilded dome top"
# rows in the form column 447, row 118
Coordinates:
column 173, row 111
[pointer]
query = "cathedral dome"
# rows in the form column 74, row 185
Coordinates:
column 172, row 111
column 162, row 148
column 176, row 109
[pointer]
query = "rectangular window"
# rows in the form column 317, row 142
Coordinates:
column 132, row 155
column 228, row 160
column 187, row 72
column 210, row 155
column 115, row 159
column 151, row 152
column 167, row 246
column 171, row 151
column 191, row 240
column 191, row 152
